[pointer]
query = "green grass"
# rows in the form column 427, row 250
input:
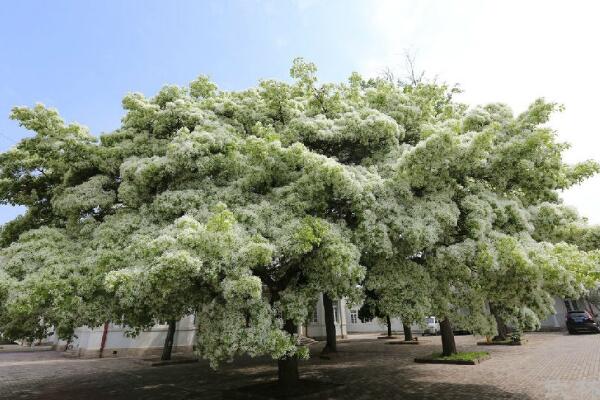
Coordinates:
column 464, row 356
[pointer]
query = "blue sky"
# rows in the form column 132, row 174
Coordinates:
column 82, row 57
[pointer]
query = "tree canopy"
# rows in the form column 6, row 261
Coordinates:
column 243, row 206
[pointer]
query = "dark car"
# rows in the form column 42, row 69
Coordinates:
column 581, row 321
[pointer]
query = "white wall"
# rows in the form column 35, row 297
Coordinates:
column 376, row 325
column 316, row 329
column 345, row 325
column 558, row 319
column 88, row 341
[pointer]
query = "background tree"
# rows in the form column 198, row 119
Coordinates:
column 493, row 195
column 39, row 168
column 369, row 311
column 402, row 290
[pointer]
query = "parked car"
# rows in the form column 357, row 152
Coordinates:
column 432, row 326
column 581, row 321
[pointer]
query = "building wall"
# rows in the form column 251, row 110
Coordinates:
column 558, row 320
column 316, row 323
column 147, row 343
column 355, row 325
column 118, row 344
column 348, row 322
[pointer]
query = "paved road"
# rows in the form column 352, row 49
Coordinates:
column 551, row 366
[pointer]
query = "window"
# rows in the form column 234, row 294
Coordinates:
column 315, row 316
column 575, row 305
column 353, row 317
column 578, row 314
column 572, row 305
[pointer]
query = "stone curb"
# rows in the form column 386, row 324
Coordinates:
column 159, row 363
column 23, row 349
column 407, row 342
column 429, row 360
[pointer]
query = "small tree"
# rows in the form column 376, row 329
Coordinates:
column 369, row 310
column 401, row 290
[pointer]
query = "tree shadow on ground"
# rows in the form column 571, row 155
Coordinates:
column 359, row 371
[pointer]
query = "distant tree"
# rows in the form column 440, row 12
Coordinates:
column 369, row 310
column 401, row 290
column 509, row 165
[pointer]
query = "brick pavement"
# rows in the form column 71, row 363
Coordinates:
column 551, row 366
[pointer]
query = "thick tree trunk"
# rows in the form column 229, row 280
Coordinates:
column 389, row 326
column 287, row 368
column 407, row 331
column 501, row 326
column 331, row 346
column 168, row 347
column 502, row 330
column 448, row 343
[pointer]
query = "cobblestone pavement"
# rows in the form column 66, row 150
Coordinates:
column 551, row 366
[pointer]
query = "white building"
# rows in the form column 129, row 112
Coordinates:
column 111, row 341
column 346, row 322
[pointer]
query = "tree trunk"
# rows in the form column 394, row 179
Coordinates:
column 407, row 332
column 448, row 343
column 502, row 330
column 501, row 326
column 168, row 347
column 68, row 343
column 103, row 341
column 287, row 368
column 331, row 346
column 389, row 326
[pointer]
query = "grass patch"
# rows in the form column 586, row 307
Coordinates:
column 464, row 358
column 461, row 356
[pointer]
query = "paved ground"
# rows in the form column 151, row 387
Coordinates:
column 551, row 366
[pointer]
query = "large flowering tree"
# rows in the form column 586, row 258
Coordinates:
column 497, row 167
column 197, row 204
column 243, row 206
column 453, row 231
